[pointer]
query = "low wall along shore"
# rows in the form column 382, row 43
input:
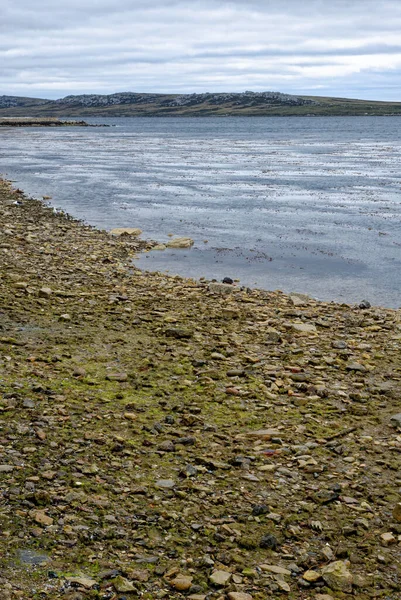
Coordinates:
column 163, row 437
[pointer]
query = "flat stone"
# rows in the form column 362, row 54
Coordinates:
column 304, row 327
column 338, row 577
column 220, row 578
column 165, row 484
column 263, row 434
column 275, row 569
column 283, row 585
column 180, row 242
column 118, row 231
column 181, row 583
column 239, row 596
column 221, row 289
column 299, row 299
column 354, row 366
column 41, row 517
column 121, row 377
column 85, row 582
column 6, row 468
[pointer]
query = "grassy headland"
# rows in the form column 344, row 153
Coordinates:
column 194, row 105
column 162, row 437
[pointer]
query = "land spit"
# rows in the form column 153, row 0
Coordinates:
column 39, row 122
column 163, row 437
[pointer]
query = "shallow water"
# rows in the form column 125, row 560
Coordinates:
column 305, row 204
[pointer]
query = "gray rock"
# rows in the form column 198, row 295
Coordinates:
column 165, row 484
column 396, row 420
column 6, row 468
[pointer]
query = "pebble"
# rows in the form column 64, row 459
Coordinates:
column 311, row 576
column 181, row 583
column 239, row 596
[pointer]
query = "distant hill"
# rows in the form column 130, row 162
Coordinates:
column 130, row 104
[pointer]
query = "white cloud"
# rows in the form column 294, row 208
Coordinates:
column 103, row 46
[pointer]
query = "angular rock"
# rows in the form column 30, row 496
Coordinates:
column 220, row 578
column 337, row 576
column 181, row 583
column 304, row 328
column 180, row 242
column 118, row 231
column 397, row 512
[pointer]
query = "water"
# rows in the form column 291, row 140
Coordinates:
column 300, row 204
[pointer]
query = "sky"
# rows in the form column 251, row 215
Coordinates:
column 53, row 48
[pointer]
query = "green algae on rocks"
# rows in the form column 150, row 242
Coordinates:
column 155, row 432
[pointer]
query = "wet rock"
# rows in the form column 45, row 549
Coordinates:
column 118, row 231
column 180, row 242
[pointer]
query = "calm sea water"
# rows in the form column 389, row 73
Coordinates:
column 300, row 204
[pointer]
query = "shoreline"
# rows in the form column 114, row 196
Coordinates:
column 162, row 436
column 42, row 122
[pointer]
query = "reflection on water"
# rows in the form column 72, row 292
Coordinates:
column 306, row 204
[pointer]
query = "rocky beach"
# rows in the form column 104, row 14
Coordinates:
column 163, row 437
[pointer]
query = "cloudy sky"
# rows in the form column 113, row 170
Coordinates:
column 348, row 48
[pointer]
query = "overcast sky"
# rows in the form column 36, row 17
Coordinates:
column 52, row 48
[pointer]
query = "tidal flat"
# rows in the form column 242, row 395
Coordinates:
column 311, row 205
column 165, row 437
